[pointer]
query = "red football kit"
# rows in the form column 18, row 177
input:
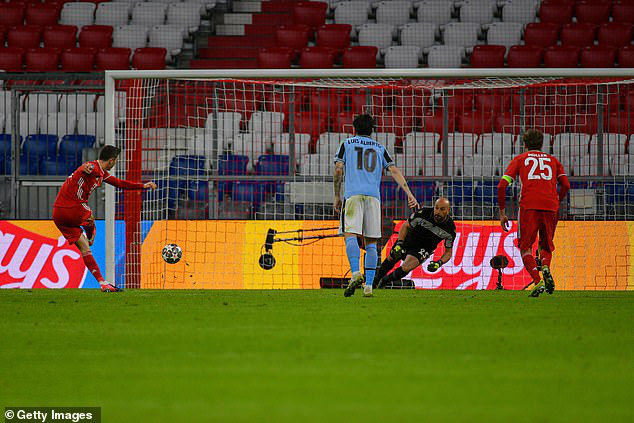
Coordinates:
column 70, row 210
column 539, row 173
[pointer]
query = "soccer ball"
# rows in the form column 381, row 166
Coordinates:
column 172, row 253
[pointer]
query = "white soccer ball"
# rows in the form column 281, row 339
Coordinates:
column 172, row 253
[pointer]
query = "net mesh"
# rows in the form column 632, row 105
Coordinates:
column 235, row 158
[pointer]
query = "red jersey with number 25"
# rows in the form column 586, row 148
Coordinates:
column 538, row 173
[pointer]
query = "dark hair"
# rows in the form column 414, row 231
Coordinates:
column 363, row 124
column 109, row 152
column 533, row 139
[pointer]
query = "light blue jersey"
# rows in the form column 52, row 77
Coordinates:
column 364, row 161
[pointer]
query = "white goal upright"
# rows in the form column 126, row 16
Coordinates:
column 243, row 161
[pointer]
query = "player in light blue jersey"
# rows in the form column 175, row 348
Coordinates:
column 362, row 160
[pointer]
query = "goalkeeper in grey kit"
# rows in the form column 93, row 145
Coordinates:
column 417, row 239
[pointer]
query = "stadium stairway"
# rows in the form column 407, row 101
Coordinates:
column 240, row 33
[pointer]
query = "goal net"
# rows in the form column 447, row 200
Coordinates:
column 244, row 170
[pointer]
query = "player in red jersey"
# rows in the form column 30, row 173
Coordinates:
column 539, row 173
column 71, row 212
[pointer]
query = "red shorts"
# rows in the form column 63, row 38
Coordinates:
column 532, row 222
column 69, row 220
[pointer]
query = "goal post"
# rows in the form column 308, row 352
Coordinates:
column 243, row 162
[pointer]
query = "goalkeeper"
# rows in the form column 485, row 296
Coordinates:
column 417, row 239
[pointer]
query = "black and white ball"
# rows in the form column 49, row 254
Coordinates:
column 172, row 253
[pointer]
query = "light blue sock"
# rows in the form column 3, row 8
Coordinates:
column 371, row 259
column 354, row 253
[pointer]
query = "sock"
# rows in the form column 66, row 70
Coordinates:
column 91, row 264
column 531, row 266
column 386, row 266
column 396, row 275
column 546, row 257
column 371, row 258
column 90, row 230
column 354, row 253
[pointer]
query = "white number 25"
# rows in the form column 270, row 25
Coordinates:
column 545, row 171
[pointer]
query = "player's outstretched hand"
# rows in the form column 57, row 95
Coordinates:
column 337, row 204
column 504, row 222
column 150, row 185
column 412, row 202
column 88, row 168
column 434, row 265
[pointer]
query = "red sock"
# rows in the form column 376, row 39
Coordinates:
column 531, row 266
column 91, row 264
column 546, row 257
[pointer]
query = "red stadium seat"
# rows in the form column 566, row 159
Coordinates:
column 592, row 11
column 113, row 58
column 623, row 11
column 556, row 12
column 11, row 14
column 524, row 57
column 584, row 123
column 26, row 36
column 42, row 14
column 433, row 122
column 493, row 101
column 615, row 34
column 42, row 60
column 310, row 123
column 310, row 13
column 549, row 124
column 292, row 36
column 626, row 57
column 3, row 34
column 395, row 123
column 488, row 56
column 598, row 57
column 95, row 36
column 317, row 58
column 335, row 36
column 507, row 123
column 360, row 57
column 60, row 36
column 11, row 59
column 78, row 59
column 621, row 123
column 475, row 122
column 578, row 34
column 561, row 57
column 275, row 58
column 541, row 34
column 149, row 58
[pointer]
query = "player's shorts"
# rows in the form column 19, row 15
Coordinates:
column 361, row 215
column 70, row 220
column 533, row 222
column 418, row 251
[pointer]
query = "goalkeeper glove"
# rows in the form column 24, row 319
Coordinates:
column 397, row 251
column 434, row 265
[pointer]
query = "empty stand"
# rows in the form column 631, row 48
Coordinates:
column 60, row 36
column 317, row 58
column 504, row 33
column 360, row 57
column 335, row 36
column 524, row 56
column 78, row 14
column 598, row 57
column 615, row 34
column 95, row 36
column 561, row 57
column 275, row 58
column 488, row 56
column 41, row 60
column 26, row 36
column 541, row 34
column 11, row 59
column 112, row 13
column 578, row 34
column 402, row 57
column 434, row 11
column 78, row 59
column 442, row 56
column 113, row 58
column 149, row 58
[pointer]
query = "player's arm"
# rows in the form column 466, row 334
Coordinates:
column 507, row 179
column 564, row 183
column 128, row 185
column 397, row 175
column 337, row 180
column 446, row 256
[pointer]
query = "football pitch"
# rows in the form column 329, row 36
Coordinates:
column 315, row 356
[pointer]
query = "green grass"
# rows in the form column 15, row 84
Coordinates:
column 314, row 356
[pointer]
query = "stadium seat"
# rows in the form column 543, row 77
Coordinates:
column 549, row 124
column 60, row 36
column 561, row 57
column 623, row 11
column 188, row 165
column 252, row 145
column 130, row 36
column 523, row 56
column 310, row 13
column 272, row 165
column 393, row 13
column 402, row 57
column 409, row 165
column 59, row 124
column 578, row 34
column 508, row 123
column 71, row 148
column 475, row 122
column 149, row 14
column 41, row 60
column 541, row 34
column 79, row 14
column 393, row 122
column 421, row 35
column 95, row 36
column 40, row 145
column 613, row 144
column 26, row 36
column 317, row 58
column 92, row 123
column 275, row 58
column 113, row 58
column 354, row 13
column 360, row 57
column 421, row 144
column 504, row 33
column 598, row 57
column 315, row 165
column 615, row 34
column 334, row 36
column 281, row 144
column 556, row 12
column 495, row 144
column 621, row 123
column 477, row 11
column 41, row 103
column 461, row 144
column 493, row 102
column 592, row 11
column 626, row 57
column 77, row 103
column 292, row 36
column 112, row 13
column 377, row 35
column 518, row 11
column 183, row 15
column 267, row 124
column 149, row 58
column 488, row 56
column 42, row 14
column 11, row 59
column 568, row 144
column 445, row 56
column 78, row 59
column 11, row 14
column 461, row 34
column 168, row 37
column 310, row 123
column 434, row 11
column 328, row 143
